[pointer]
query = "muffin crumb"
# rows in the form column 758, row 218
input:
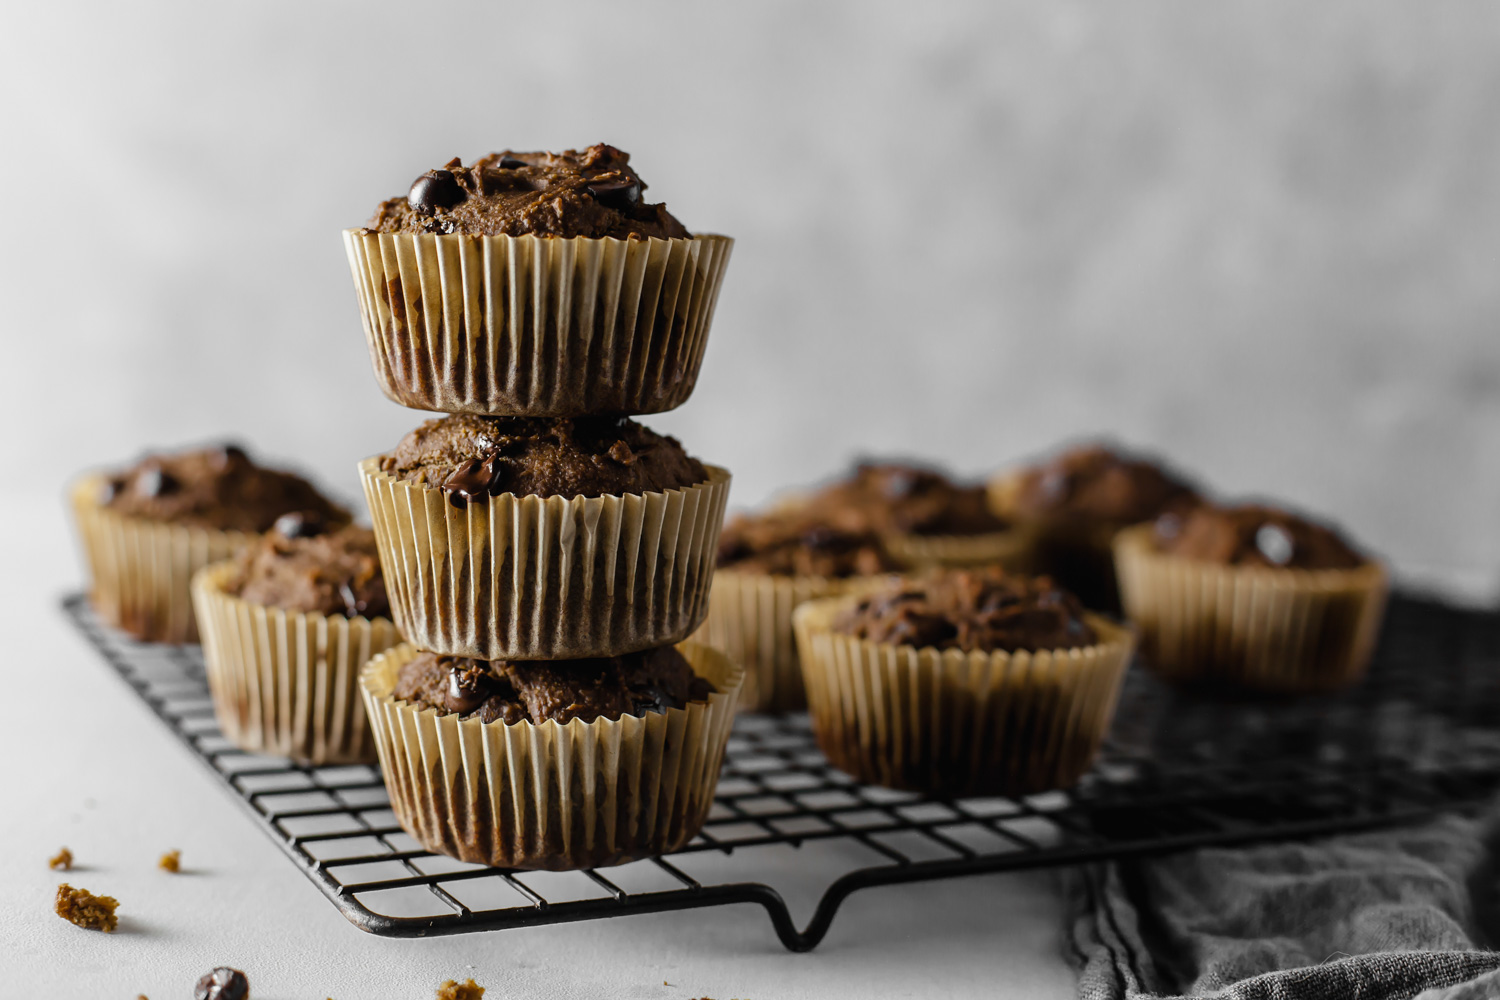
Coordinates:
column 86, row 910
column 467, row 990
column 63, row 860
column 170, row 861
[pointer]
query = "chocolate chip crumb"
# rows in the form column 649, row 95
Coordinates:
column 170, row 861
column 223, row 983
column 86, row 910
column 63, row 860
column 467, row 990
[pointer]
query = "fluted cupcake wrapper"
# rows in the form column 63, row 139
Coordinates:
column 553, row 796
column 750, row 619
column 546, row 578
column 140, row 571
column 287, row 682
column 536, row 326
column 953, row 723
column 1010, row 549
column 1285, row 630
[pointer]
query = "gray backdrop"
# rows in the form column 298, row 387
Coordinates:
column 1259, row 236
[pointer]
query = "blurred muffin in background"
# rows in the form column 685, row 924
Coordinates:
column 1072, row 505
column 147, row 529
column 961, row 682
column 286, row 627
column 1251, row 595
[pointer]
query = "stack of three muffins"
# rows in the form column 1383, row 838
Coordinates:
column 544, row 554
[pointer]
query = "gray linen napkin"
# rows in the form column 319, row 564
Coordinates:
column 1378, row 916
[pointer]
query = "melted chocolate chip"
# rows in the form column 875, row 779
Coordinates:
column 1054, row 485
column 1275, row 544
column 618, row 192
column 154, row 482
column 511, row 163
column 1168, row 526
column 108, row 490
column 434, row 190
column 229, row 454
column 472, row 481
column 466, row 690
column 353, row 606
column 651, row 698
column 223, row 983
column 900, row 484
column 301, row 524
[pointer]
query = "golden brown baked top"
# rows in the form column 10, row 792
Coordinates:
column 970, row 610
column 592, row 192
column 511, row 691
column 472, row 457
column 1253, row 535
column 213, row 488
column 306, row 565
column 1095, row 484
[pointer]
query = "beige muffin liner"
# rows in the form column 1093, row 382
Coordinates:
column 553, row 796
column 1288, row 630
column 286, row 682
column 536, row 326
column 954, row 723
column 546, row 578
column 140, row 571
column 750, row 619
column 1010, row 549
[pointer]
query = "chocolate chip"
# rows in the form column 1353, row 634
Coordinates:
column 900, row 483
column 617, row 192
column 1168, row 526
column 154, row 482
column 227, row 455
column 108, row 490
column 512, row 163
column 1054, row 485
column 434, row 190
column 466, row 689
column 353, row 606
column 223, row 983
column 651, row 697
column 1275, row 543
column 471, row 481
column 301, row 524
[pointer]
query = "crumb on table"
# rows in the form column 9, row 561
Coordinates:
column 81, row 907
column 62, row 859
column 467, row 990
column 170, row 861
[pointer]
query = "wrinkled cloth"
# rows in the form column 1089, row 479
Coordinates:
column 1375, row 916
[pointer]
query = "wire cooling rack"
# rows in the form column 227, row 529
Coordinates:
column 1181, row 769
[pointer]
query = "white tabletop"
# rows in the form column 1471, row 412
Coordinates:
column 88, row 766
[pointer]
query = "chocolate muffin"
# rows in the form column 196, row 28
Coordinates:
column 961, row 683
column 902, row 499
column 306, row 564
column 652, row 680
column 1252, row 535
column 471, row 457
column 213, row 488
column 1096, row 485
column 800, row 543
column 591, row 193
column 970, row 610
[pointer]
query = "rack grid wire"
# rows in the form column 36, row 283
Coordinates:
column 1181, row 769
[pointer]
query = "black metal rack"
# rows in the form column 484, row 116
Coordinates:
column 1182, row 769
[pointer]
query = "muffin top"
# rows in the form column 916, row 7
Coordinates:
column 653, row 680
column 1096, row 484
column 891, row 498
column 791, row 542
column 983, row 610
column 306, row 564
column 213, row 488
column 590, row 193
column 1253, row 535
column 471, row 456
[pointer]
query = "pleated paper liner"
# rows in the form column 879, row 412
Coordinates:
column 1279, row 630
column 552, row 796
column 140, row 570
column 533, row 325
column 958, row 724
column 750, row 619
column 546, row 578
column 286, row 683
column 1010, row 549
